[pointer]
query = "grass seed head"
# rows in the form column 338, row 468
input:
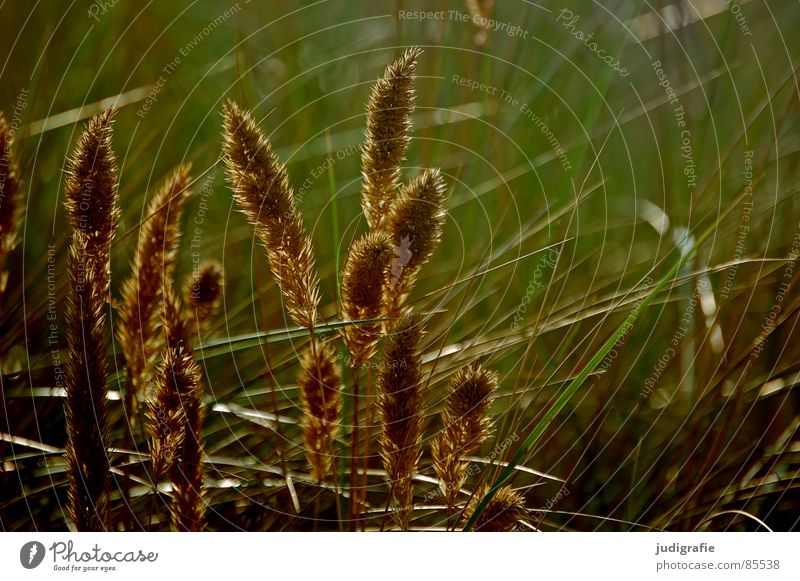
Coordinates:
column 388, row 124
column 319, row 390
column 503, row 512
column 261, row 189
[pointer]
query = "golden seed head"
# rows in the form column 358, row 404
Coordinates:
column 91, row 185
column 153, row 266
column 415, row 225
column 388, row 123
column 177, row 445
column 319, row 390
column 261, row 189
column 204, row 291
column 364, row 280
column 466, row 426
column 470, row 392
column 91, row 202
column 400, row 399
column 502, row 513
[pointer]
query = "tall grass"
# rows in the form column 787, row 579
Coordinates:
column 634, row 294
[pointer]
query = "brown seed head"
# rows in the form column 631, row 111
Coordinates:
column 400, row 398
column 91, row 202
column 86, row 379
column 388, row 124
column 261, row 189
column 502, row 513
column 153, row 265
column 466, row 426
column 319, row 389
column 177, row 388
column 415, row 224
column 90, row 193
column 204, row 294
column 11, row 209
column 176, row 419
column 364, row 280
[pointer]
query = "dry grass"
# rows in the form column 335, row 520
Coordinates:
column 504, row 512
column 271, row 464
column 365, row 279
column 400, row 399
column 319, row 390
column 262, row 191
column 91, row 202
column 466, row 425
column 153, row 267
column 388, row 123
column 415, row 224
column 180, row 399
column 203, row 295
column 11, row 207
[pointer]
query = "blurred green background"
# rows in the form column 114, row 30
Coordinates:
column 643, row 174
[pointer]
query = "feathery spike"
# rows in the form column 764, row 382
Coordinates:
column 415, row 224
column 400, row 394
column 466, row 426
column 203, row 294
column 153, row 265
column 176, row 419
column 388, row 124
column 364, row 280
column 502, row 513
column 261, row 189
column 91, row 202
column 319, row 390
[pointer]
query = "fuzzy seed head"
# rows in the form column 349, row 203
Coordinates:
column 319, row 389
column 470, row 393
column 204, row 292
column 153, row 266
column 91, row 202
column 91, row 185
column 466, row 426
column 417, row 217
column 261, row 189
column 400, row 399
column 364, row 280
column 176, row 419
column 502, row 514
column 86, row 379
column 388, row 124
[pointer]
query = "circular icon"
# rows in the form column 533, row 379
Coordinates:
column 31, row 554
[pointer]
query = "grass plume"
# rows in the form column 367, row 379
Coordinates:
column 400, row 394
column 415, row 224
column 11, row 209
column 388, row 123
column 153, row 264
column 91, row 203
column 466, row 426
column 262, row 191
column 203, row 295
column 176, row 420
column 503, row 513
column 319, row 390
column 364, row 279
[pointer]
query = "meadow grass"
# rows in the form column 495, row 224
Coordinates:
column 620, row 250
